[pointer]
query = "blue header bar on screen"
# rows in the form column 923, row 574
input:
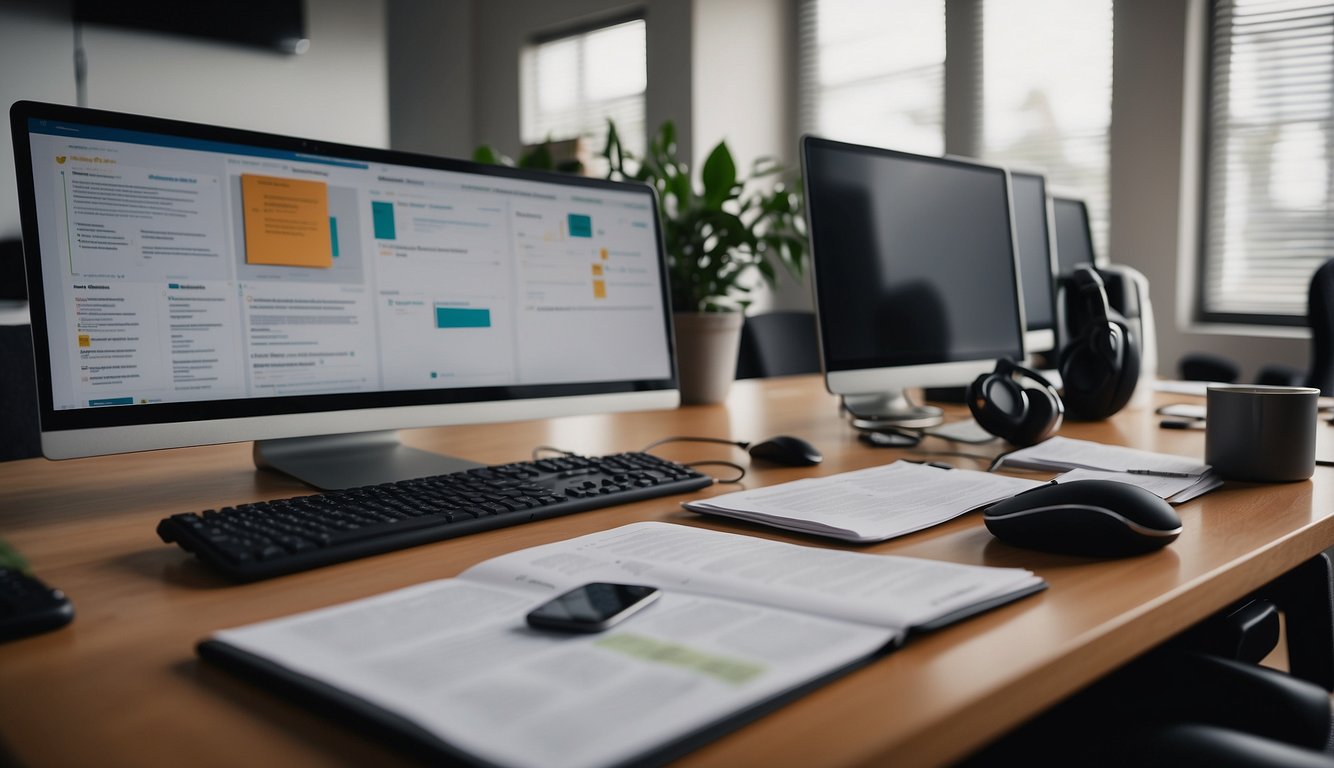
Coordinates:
column 75, row 130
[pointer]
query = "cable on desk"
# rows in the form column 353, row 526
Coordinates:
column 539, row 451
column 996, row 462
column 742, row 444
column 741, row 471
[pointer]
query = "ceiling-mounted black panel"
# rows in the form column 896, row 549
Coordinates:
column 278, row 25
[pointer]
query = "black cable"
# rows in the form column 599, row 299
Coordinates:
column 742, row 444
column 539, row 450
column 551, row 449
column 996, row 463
column 720, row 462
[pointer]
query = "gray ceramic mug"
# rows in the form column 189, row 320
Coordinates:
column 1261, row 434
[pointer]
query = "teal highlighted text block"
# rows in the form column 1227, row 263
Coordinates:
column 581, row 225
column 462, row 317
column 382, row 217
column 111, row 401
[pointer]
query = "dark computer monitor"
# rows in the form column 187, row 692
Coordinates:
column 192, row 284
column 915, row 274
column 1074, row 236
column 1037, row 264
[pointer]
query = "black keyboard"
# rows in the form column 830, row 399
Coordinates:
column 256, row 541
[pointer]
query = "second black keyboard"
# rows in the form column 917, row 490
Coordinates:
column 264, row 539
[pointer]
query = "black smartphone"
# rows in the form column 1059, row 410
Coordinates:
column 592, row 607
column 889, row 439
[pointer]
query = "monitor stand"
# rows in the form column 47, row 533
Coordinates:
column 337, row 462
column 889, row 410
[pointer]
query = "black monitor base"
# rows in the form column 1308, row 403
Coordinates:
column 337, row 462
column 889, row 410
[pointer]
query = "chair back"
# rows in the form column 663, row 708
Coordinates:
column 20, row 431
column 779, row 343
column 1320, row 317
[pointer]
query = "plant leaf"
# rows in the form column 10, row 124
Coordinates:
column 719, row 176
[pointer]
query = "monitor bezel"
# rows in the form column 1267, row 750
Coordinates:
column 849, row 378
column 1086, row 230
column 70, row 433
column 1042, row 340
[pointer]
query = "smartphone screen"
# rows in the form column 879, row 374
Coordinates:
column 592, row 607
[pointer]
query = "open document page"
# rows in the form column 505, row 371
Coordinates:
column 1059, row 454
column 1171, row 477
column 452, row 663
column 869, row 504
column 1172, row 488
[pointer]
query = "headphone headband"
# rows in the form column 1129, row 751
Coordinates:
column 1092, row 295
column 1005, row 366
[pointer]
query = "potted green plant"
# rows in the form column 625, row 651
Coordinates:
column 722, row 235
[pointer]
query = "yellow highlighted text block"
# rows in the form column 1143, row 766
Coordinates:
column 286, row 222
column 85, row 340
column 599, row 289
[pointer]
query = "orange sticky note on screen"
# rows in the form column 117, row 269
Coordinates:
column 597, row 270
column 599, row 289
column 286, row 222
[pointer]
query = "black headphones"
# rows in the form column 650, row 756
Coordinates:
column 1100, row 366
column 1007, row 409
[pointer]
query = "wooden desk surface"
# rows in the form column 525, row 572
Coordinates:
column 122, row 686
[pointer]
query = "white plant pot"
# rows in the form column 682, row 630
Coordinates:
column 706, row 353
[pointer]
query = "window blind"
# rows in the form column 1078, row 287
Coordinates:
column 572, row 85
column 873, row 72
column 1046, row 101
column 1270, row 118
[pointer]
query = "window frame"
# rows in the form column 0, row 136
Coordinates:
column 1208, row 140
column 579, row 29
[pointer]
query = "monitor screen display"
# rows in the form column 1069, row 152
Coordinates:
column 190, row 274
column 914, row 259
column 1074, row 241
column 1036, row 269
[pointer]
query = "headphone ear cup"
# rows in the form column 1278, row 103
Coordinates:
column 999, row 405
column 1123, row 388
column 1100, row 371
column 1044, row 417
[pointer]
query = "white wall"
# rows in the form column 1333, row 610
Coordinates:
column 36, row 63
column 337, row 91
column 430, row 48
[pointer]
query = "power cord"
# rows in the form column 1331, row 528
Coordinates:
column 541, row 450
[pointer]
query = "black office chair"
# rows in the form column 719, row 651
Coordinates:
column 778, row 344
column 20, row 432
column 1202, row 698
column 1319, row 318
column 1202, row 366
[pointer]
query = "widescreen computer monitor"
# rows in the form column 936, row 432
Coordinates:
column 1074, row 237
column 1037, row 264
column 193, row 284
column 915, row 275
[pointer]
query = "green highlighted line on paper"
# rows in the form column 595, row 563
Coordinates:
column 722, row 668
